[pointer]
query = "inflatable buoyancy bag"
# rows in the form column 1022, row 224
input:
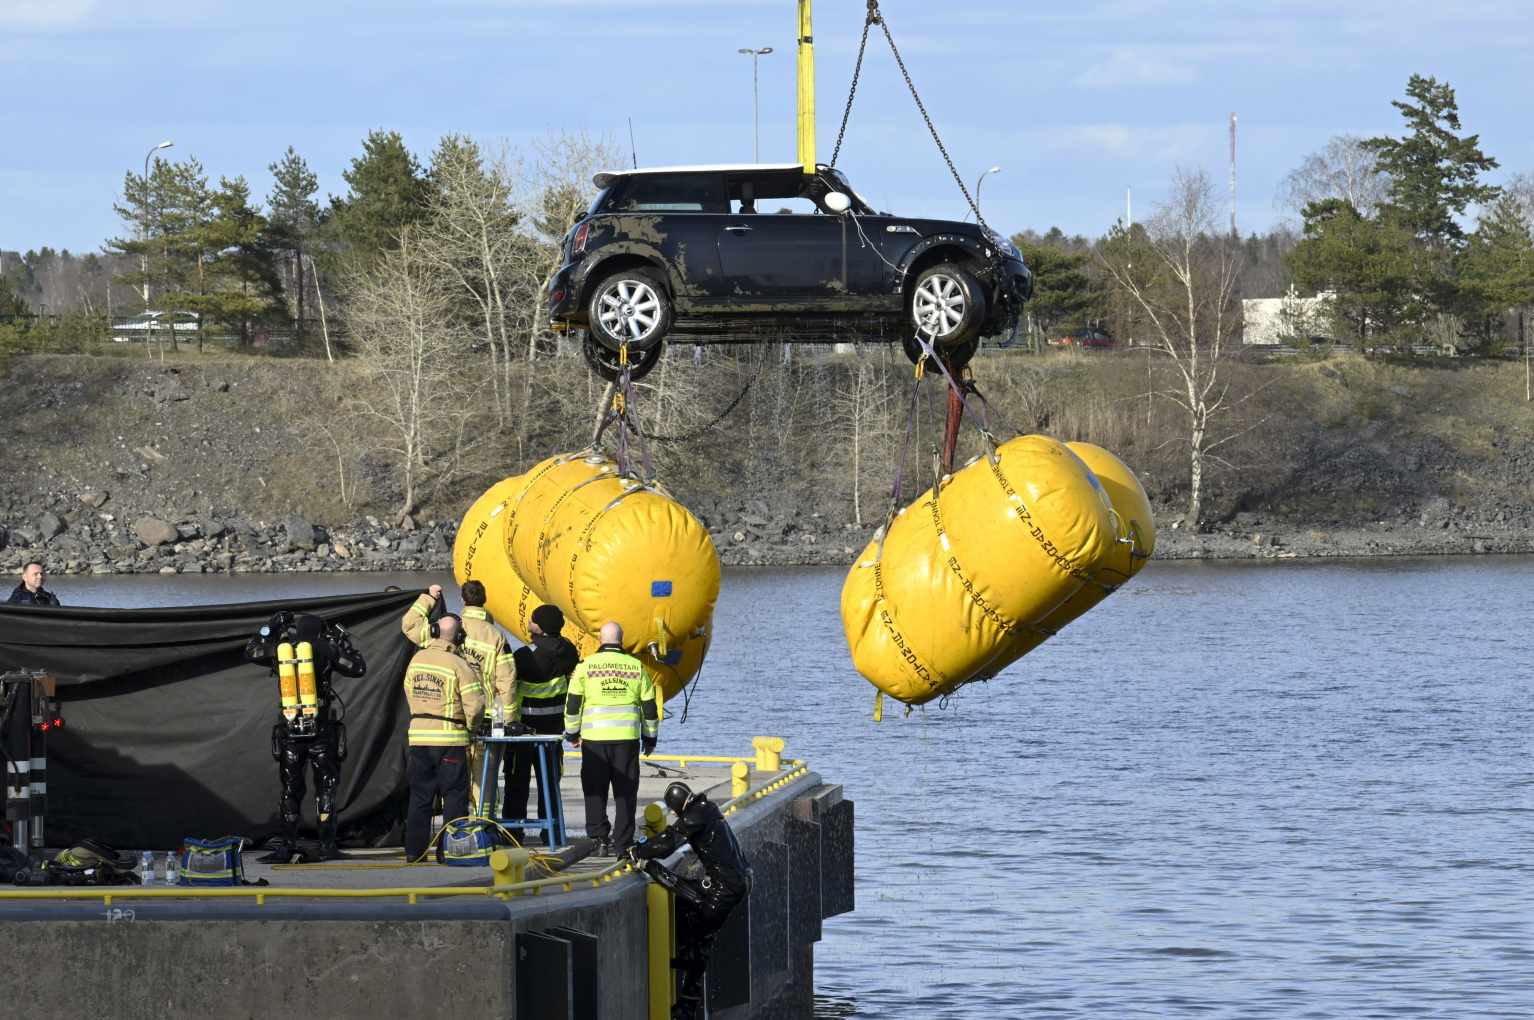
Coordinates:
column 977, row 573
column 575, row 533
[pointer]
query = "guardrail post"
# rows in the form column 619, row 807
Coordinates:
column 769, row 751
column 654, row 819
column 740, row 779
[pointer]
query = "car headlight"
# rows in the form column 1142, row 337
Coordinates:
column 1006, row 246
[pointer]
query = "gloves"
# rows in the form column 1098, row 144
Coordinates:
column 518, row 729
column 647, row 744
column 482, row 728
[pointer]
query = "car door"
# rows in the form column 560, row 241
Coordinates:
column 784, row 260
column 678, row 216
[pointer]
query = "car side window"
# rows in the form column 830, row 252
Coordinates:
column 698, row 193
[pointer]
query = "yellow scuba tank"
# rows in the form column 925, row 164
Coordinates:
column 308, row 690
column 287, row 681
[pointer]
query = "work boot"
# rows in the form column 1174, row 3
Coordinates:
column 604, row 849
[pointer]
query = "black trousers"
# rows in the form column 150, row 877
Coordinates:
column 519, row 767
column 321, row 752
column 432, row 771
column 615, row 764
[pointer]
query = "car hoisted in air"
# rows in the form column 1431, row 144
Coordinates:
column 769, row 252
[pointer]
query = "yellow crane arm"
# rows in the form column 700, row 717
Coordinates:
column 807, row 86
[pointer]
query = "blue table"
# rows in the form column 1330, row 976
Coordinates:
column 547, row 748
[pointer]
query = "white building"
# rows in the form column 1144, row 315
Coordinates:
column 1274, row 321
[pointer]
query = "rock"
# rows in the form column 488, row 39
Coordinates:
column 168, row 570
column 322, row 550
column 189, row 530
column 407, row 523
column 150, row 454
column 24, row 537
column 410, row 546
column 300, row 533
column 341, row 550
column 211, row 527
column 153, row 532
column 95, row 498
column 739, row 536
column 48, row 525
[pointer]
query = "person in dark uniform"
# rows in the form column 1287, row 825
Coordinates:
column 702, row 905
column 543, row 676
column 30, row 592
column 306, row 734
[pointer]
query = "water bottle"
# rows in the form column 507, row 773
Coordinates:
column 498, row 720
column 146, row 868
column 172, row 869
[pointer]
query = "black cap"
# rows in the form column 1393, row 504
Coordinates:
column 549, row 619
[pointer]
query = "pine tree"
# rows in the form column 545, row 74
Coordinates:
column 294, row 217
column 387, row 192
column 1497, row 269
column 242, row 262
column 1434, row 172
column 1373, row 266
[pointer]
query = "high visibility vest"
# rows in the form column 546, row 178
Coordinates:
column 615, row 698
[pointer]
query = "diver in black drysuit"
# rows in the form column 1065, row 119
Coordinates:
column 325, row 750
column 702, row 906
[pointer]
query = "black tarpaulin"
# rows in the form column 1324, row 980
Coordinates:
column 168, row 730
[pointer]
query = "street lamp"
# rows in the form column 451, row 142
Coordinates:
column 756, row 125
column 978, row 182
column 144, row 256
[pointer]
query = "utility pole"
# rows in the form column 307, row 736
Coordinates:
column 756, row 116
column 144, row 257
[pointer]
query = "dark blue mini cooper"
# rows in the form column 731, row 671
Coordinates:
column 731, row 254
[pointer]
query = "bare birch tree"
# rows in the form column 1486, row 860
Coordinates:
column 1180, row 271
column 1342, row 169
column 861, row 414
column 401, row 316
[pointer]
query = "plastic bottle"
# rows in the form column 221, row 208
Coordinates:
column 172, row 870
column 497, row 720
column 146, row 868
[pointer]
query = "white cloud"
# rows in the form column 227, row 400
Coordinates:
column 45, row 15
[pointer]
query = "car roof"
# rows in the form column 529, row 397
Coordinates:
column 606, row 178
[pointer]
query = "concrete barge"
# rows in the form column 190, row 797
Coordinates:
column 373, row 937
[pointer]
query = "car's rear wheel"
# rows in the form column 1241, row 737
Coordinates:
column 947, row 305
column 630, row 306
column 604, row 362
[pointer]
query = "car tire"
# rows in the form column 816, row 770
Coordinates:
column 948, row 305
column 630, row 306
column 604, row 362
column 957, row 358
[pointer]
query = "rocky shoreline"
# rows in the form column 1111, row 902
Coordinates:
column 86, row 534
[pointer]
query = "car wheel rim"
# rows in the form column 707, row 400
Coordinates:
column 629, row 310
column 939, row 305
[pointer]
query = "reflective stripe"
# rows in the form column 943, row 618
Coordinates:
column 628, row 710
column 543, row 710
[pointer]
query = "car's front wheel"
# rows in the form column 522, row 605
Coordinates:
column 947, row 305
column 630, row 306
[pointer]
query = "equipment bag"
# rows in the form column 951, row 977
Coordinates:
column 212, row 862
column 468, row 842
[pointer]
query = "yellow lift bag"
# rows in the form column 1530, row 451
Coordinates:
column 574, row 533
column 981, row 570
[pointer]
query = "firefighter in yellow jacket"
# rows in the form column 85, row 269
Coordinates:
column 444, row 695
column 610, row 714
column 484, row 648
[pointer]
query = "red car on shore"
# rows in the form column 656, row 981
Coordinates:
column 1086, row 336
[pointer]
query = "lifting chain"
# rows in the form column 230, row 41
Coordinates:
column 857, row 73
column 876, row 18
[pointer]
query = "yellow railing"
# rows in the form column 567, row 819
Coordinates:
column 792, row 770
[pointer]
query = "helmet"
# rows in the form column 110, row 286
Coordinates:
column 678, row 796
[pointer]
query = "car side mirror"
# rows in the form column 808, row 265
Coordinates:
column 838, row 202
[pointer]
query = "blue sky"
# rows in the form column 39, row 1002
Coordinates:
column 1074, row 100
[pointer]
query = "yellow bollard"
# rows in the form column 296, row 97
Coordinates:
column 769, row 752
column 662, row 945
column 509, row 867
column 740, row 779
column 654, row 819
